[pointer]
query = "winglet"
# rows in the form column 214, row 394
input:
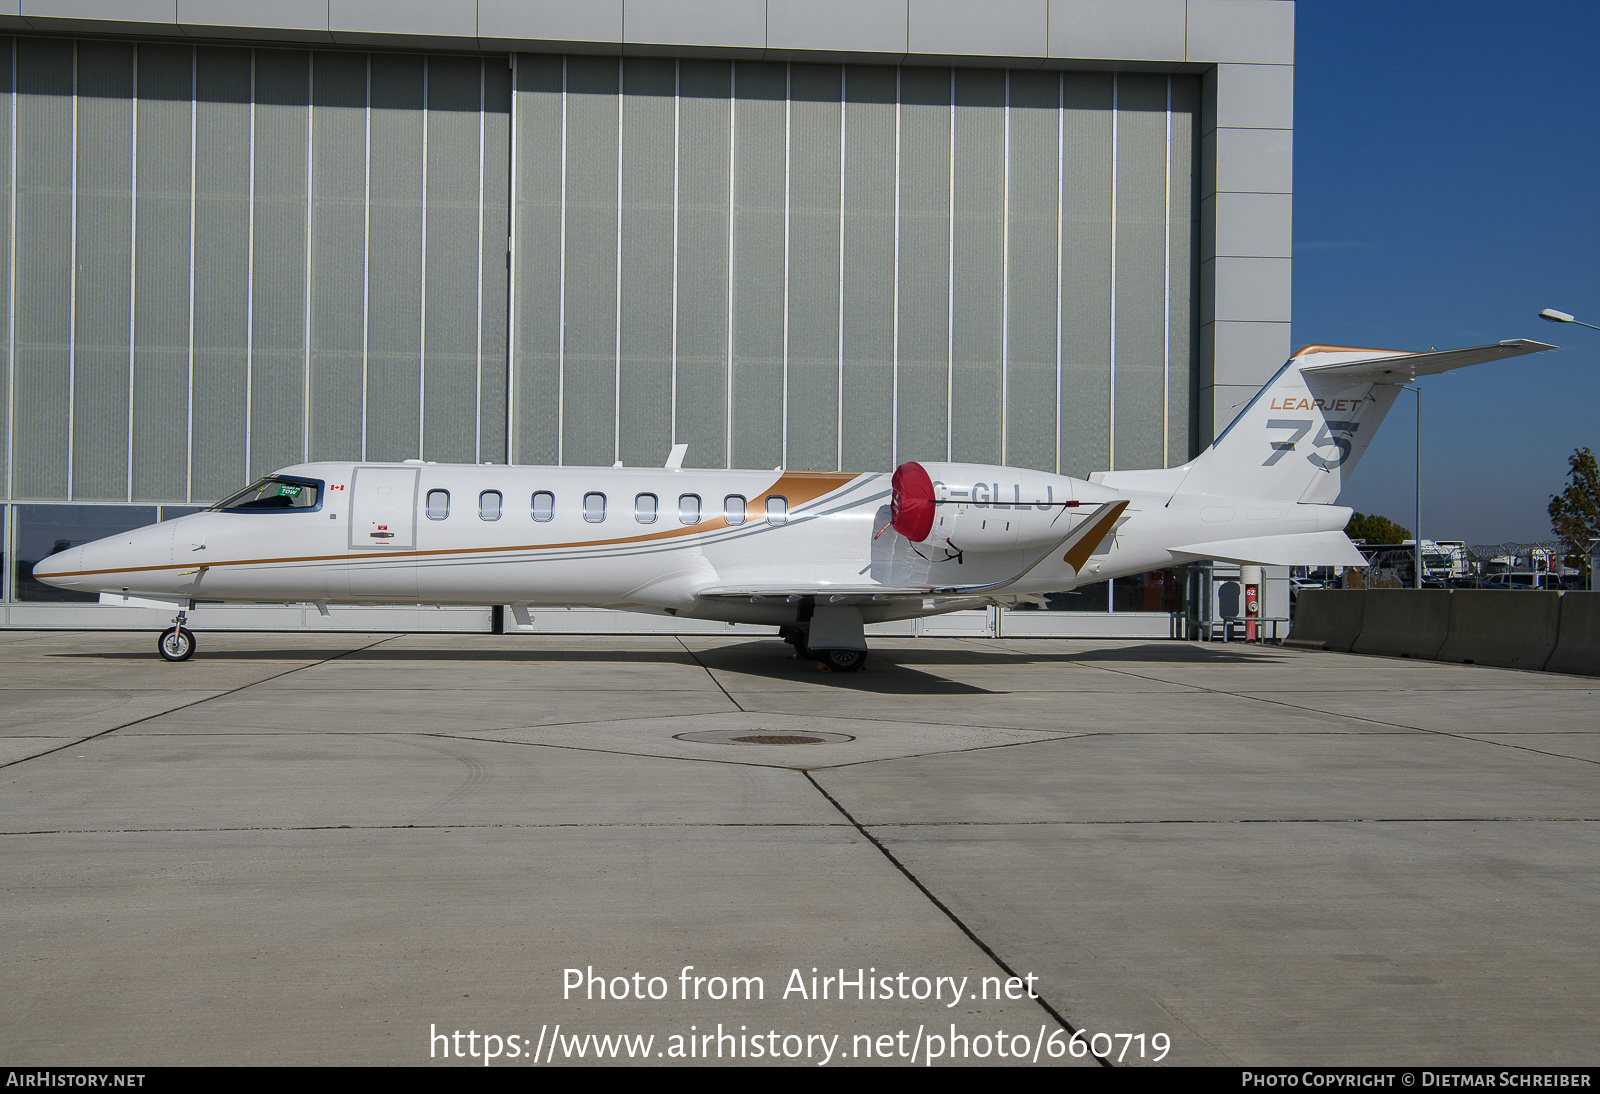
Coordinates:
column 675, row 460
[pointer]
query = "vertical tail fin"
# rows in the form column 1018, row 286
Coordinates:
column 1302, row 435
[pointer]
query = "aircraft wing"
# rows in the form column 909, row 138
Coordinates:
column 798, row 591
column 1406, row 367
column 1077, row 544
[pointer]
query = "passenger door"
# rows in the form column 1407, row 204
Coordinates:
column 383, row 509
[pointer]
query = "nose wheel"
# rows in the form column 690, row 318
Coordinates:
column 176, row 643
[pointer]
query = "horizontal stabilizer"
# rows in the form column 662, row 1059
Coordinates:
column 1297, row 549
column 1402, row 368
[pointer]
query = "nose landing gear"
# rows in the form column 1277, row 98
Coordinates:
column 176, row 643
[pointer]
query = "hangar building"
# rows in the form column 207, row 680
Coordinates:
column 817, row 234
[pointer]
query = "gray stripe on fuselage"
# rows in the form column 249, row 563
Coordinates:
column 534, row 553
column 578, row 554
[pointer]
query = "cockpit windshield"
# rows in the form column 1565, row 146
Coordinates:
column 272, row 493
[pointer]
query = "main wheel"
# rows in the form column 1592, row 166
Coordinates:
column 841, row 660
column 176, row 644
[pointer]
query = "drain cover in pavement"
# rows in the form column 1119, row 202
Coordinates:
column 746, row 737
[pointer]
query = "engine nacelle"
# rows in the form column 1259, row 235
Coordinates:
column 977, row 507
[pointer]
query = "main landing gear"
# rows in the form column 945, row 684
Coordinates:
column 841, row 660
column 176, row 643
column 832, row 660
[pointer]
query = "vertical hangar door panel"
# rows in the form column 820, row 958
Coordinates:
column 383, row 508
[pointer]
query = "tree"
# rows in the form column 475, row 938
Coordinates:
column 1575, row 512
column 1375, row 529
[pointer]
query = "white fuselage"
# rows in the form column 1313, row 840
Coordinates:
column 644, row 539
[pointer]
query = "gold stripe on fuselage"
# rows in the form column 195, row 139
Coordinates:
column 797, row 487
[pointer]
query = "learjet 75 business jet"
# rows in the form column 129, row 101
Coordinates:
column 819, row 555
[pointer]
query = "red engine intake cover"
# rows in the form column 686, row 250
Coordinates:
column 911, row 504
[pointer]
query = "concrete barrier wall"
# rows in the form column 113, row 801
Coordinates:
column 1404, row 622
column 1514, row 630
column 1327, row 619
column 1557, row 632
column 1578, row 637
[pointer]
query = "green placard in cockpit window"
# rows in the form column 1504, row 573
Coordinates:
column 288, row 490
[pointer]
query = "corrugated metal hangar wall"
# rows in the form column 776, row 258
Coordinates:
column 843, row 267
column 226, row 260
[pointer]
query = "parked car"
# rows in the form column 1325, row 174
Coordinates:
column 1298, row 583
column 1522, row 581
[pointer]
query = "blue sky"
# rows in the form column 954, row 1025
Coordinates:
column 1447, row 163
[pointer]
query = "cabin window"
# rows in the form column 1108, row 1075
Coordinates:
column 489, row 505
column 644, row 508
column 733, row 507
column 689, row 508
column 438, row 504
column 594, row 508
column 544, row 506
column 777, row 510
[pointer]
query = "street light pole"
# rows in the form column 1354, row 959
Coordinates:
column 1552, row 316
column 1416, row 566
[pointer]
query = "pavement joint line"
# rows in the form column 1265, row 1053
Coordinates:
column 1041, row 695
column 1246, row 732
column 1240, row 820
column 1259, row 698
column 474, row 691
column 1531, row 675
column 1044, row 1003
column 197, row 702
column 711, row 674
column 417, row 827
column 443, row 827
column 427, row 687
column 791, row 714
column 1513, row 744
column 1538, row 732
column 624, row 752
column 948, row 752
column 1535, row 673
column 1371, row 721
column 1415, row 691
column 694, row 759
column 234, row 734
column 1058, row 736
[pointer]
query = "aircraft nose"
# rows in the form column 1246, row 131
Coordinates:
column 50, row 570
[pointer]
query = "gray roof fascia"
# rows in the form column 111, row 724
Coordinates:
column 1123, row 35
